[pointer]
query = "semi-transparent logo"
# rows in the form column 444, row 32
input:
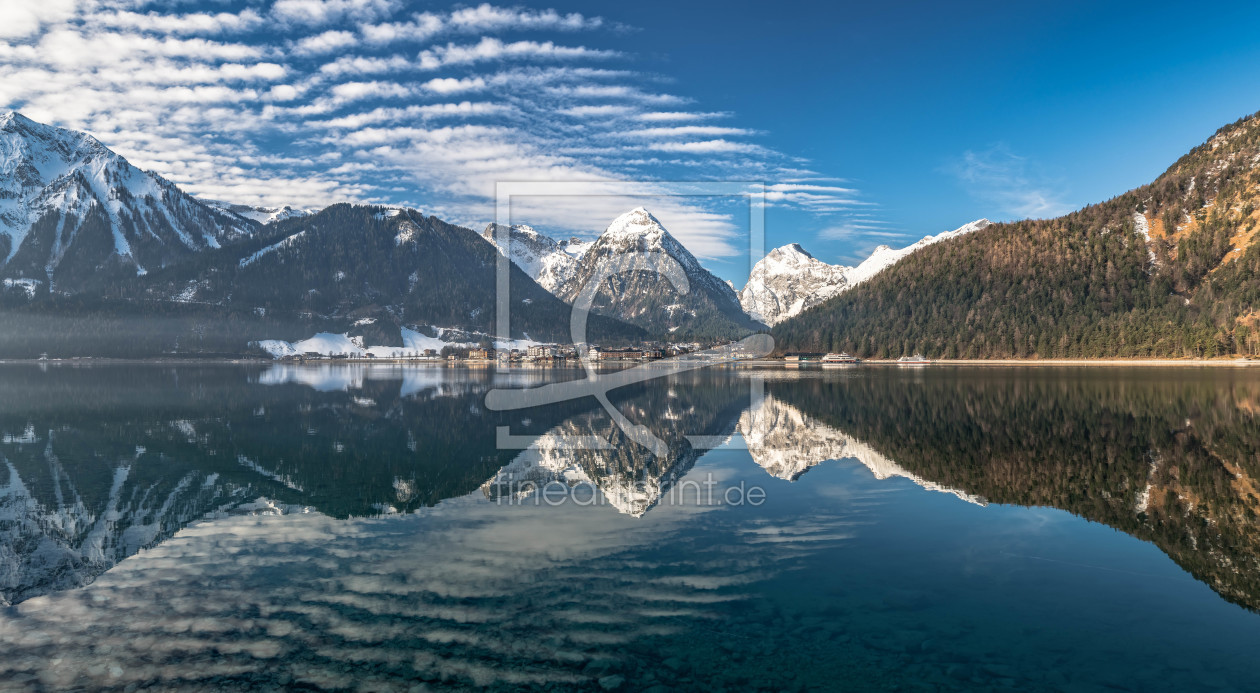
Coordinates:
column 598, row 383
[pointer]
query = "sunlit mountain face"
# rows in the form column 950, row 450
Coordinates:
column 352, row 521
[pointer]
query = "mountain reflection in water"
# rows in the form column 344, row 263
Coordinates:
column 357, row 526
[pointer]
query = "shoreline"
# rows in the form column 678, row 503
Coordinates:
column 243, row 361
column 1161, row 363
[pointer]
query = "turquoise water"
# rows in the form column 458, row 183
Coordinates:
column 364, row 528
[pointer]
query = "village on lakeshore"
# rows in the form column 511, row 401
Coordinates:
column 560, row 354
column 534, row 353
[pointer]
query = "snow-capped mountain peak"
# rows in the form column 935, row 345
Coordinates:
column 637, row 293
column 789, row 280
column 885, row 256
column 639, row 231
column 637, row 223
column 555, row 264
column 547, row 261
column 263, row 215
column 72, row 211
column 638, row 297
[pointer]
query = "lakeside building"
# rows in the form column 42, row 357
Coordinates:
column 539, row 352
column 634, row 353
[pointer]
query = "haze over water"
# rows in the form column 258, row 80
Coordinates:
column 357, row 527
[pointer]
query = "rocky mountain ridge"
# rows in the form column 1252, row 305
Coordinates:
column 788, row 280
column 73, row 214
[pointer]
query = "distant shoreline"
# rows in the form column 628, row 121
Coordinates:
column 242, row 361
column 1163, row 363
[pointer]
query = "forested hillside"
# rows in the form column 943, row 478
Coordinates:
column 1166, row 270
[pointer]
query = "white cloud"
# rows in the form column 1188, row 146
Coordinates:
column 615, row 91
column 306, row 191
column 484, row 18
column 604, row 110
column 203, row 98
column 463, row 109
column 198, row 94
column 71, row 49
column 809, row 188
column 20, row 19
column 468, row 160
column 422, row 28
column 357, row 91
column 857, row 229
column 201, row 23
column 359, row 65
column 489, row 49
column 690, row 131
column 540, row 77
column 658, row 116
column 282, row 92
column 322, row 12
column 170, row 72
column 326, row 42
column 708, row 147
column 453, row 85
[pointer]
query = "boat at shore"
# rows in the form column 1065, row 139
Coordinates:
column 841, row 359
column 916, row 360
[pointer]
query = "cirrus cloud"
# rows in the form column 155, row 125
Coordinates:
column 311, row 102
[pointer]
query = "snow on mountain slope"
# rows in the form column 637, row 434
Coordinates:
column 49, row 546
column 637, row 230
column 549, row 262
column 787, row 443
column 784, row 283
column 286, row 242
column 70, row 207
column 627, row 476
column 638, row 294
column 789, row 280
column 262, row 215
column 885, row 257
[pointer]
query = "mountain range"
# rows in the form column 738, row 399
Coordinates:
column 379, row 269
column 1169, row 269
column 781, row 285
column 100, row 258
column 91, row 246
column 621, row 270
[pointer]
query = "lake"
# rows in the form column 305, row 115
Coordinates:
column 373, row 527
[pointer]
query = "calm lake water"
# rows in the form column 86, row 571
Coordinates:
column 379, row 528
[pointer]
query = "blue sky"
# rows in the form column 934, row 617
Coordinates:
column 870, row 124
